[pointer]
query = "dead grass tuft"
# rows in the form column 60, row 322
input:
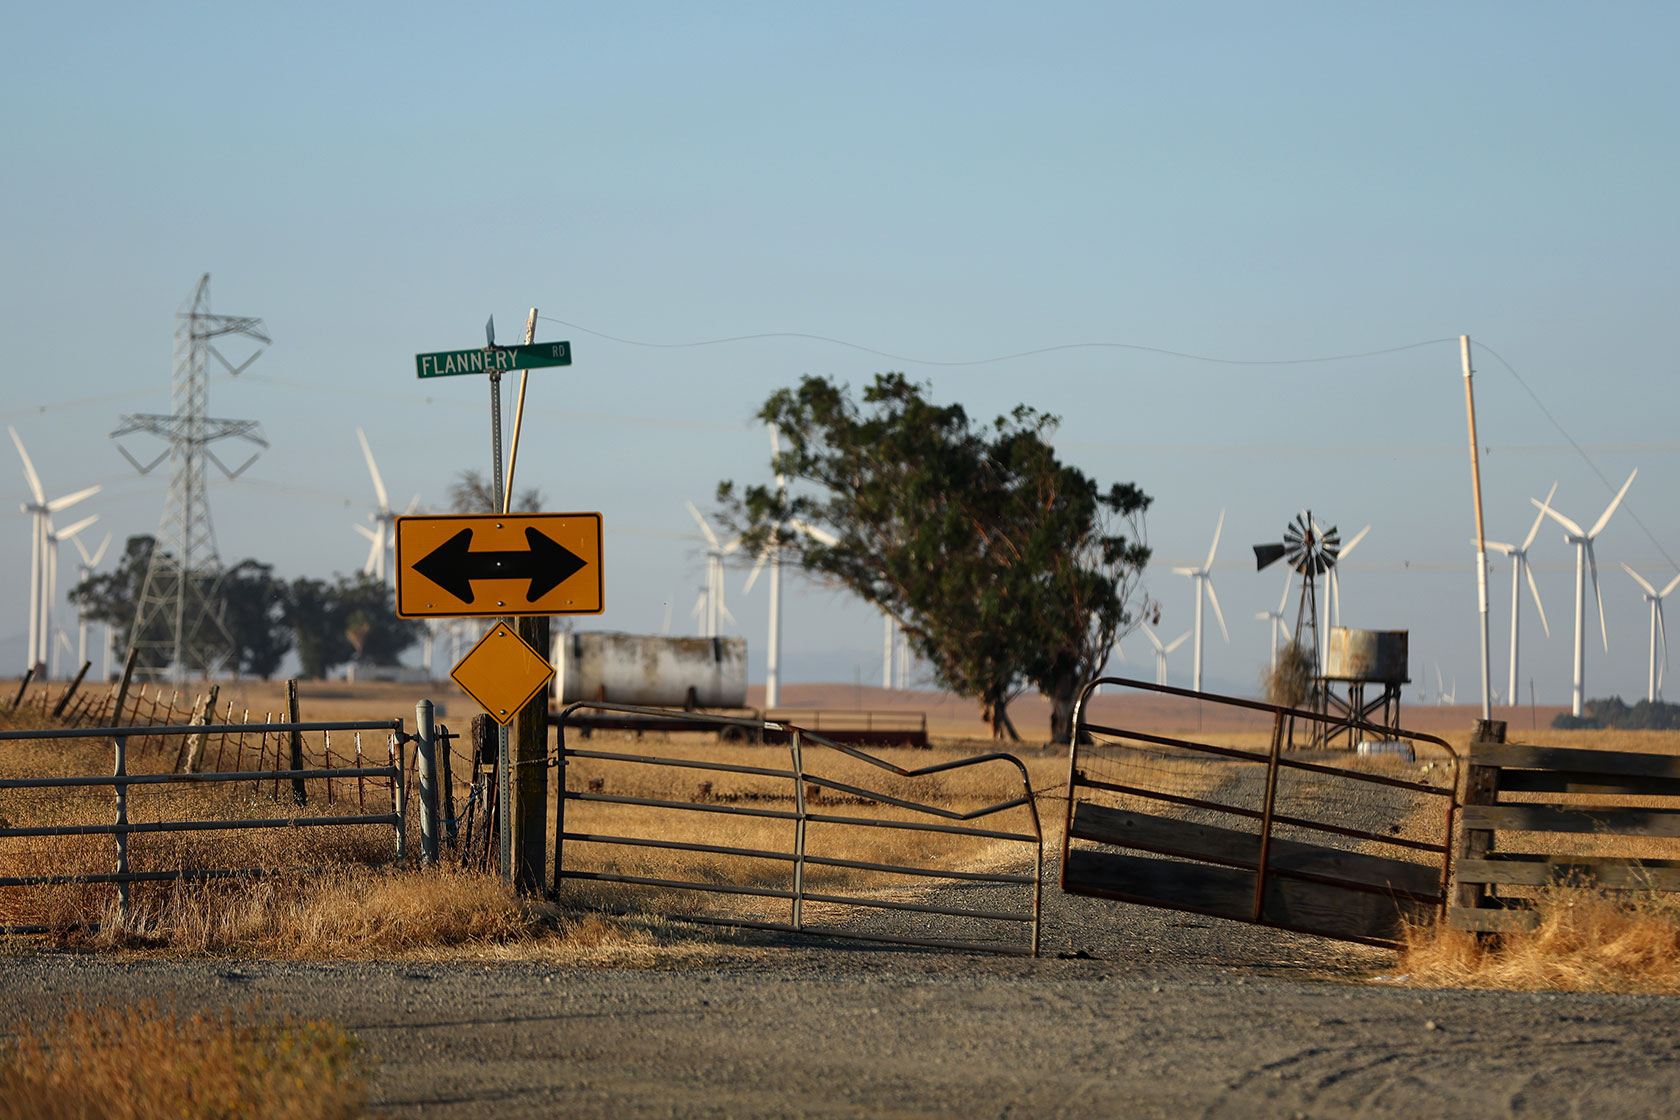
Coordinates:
column 1587, row 940
column 136, row 1063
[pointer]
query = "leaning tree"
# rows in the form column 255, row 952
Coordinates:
column 1006, row 567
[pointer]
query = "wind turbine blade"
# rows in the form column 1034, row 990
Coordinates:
column 1186, row 571
column 371, row 564
column 373, row 469
column 758, row 566
column 66, row 534
column 71, row 499
column 1214, row 601
column 99, row 553
column 775, row 454
column 1535, row 589
column 1214, row 547
column 1176, row 642
column 711, row 537
column 1662, row 633
column 1284, row 602
column 1592, row 566
column 1153, row 640
column 820, row 535
column 364, row 531
column 1539, row 517
column 723, row 612
column 1501, row 546
column 731, row 546
column 28, row 468
column 1354, row 543
column 1548, row 511
column 413, row 504
column 1604, row 517
column 1672, row 584
column 1640, row 580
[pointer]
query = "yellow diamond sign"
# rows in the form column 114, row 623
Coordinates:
column 502, row 672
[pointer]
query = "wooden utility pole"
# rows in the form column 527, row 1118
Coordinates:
column 1481, row 538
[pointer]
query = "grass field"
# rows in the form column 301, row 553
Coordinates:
column 325, row 896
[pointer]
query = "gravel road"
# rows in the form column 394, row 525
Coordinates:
column 1131, row 1012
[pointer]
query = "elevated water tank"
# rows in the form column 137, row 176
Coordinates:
column 1366, row 655
column 655, row 670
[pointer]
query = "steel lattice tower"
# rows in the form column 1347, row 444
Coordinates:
column 178, row 618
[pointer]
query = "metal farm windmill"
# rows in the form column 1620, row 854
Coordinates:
column 1519, row 568
column 40, row 580
column 1203, row 578
column 1659, row 632
column 1311, row 551
column 1582, row 539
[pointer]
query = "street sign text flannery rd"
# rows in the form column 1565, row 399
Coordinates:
column 486, row 565
column 498, row 359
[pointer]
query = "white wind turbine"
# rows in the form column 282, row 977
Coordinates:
column 1161, row 651
column 1333, row 582
column 710, row 606
column 1520, row 567
column 89, row 564
column 1280, row 627
column 1653, row 688
column 382, row 537
column 51, row 598
column 1203, row 577
column 771, row 554
column 1582, row 539
column 42, row 509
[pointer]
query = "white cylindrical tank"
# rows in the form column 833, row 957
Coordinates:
column 658, row 671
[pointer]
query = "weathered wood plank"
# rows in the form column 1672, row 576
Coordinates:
column 1242, row 849
column 1615, row 821
column 1508, row 756
column 1541, row 871
column 1227, row 892
column 1492, row 920
column 1582, row 781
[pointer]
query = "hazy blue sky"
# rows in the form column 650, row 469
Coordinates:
column 943, row 183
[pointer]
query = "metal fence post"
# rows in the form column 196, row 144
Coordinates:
column 798, row 831
column 121, row 771
column 426, row 764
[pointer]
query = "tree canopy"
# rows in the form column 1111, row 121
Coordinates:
column 352, row 618
column 1005, row 566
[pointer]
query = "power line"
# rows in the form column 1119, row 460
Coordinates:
column 1000, row 357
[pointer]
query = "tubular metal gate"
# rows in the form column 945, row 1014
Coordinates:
column 1314, row 846
column 62, row 788
column 719, row 837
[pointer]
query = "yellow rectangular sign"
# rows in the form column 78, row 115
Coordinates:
column 472, row 565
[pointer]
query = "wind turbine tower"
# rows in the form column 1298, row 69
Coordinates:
column 1203, row 577
column 1582, row 539
column 178, row 619
column 1653, row 689
column 42, row 549
column 1520, row 567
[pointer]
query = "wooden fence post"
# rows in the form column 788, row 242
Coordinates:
column 1481, row 787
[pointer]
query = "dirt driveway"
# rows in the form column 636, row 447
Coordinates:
column 1163, row 1016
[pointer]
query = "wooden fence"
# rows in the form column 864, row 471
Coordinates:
column 1539, row 817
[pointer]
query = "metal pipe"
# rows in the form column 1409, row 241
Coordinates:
column 425, row 758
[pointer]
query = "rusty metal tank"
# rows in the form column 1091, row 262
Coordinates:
column 1377, row 656
column 655, row 670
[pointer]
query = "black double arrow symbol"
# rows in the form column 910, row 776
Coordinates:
column 546, row 563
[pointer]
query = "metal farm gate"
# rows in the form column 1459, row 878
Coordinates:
column 1340, row 844
column 798, row 833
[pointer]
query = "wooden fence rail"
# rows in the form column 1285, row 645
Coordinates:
column 1537, row 817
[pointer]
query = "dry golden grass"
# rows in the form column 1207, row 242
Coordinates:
column 1586, row 941
column 136, row 1063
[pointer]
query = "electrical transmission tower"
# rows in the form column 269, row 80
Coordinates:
column 179, row 617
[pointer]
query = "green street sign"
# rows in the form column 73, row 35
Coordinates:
column 446, row 363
